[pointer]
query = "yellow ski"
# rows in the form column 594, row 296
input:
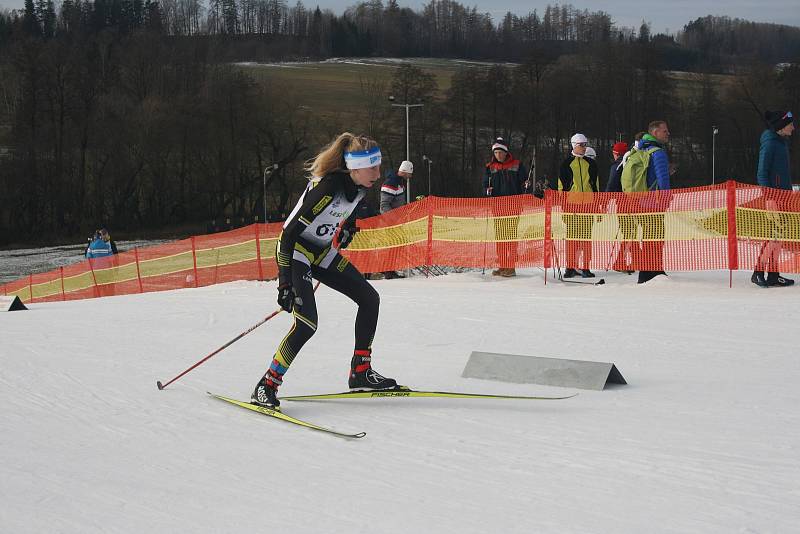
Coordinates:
column 403, row 391
column 283, row 417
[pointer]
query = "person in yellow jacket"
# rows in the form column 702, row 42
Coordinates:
column 578, row 175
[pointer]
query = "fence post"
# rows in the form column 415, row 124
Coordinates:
column 63, row 294
column 194, row 262
column 733, row 241
column 548, row 231
column 258, row 254
column 30, row 286
column 429, row 249
column 138, row 272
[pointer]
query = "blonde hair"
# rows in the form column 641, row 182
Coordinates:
column 331, row 158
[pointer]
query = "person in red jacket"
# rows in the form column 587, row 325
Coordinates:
column 505, row 175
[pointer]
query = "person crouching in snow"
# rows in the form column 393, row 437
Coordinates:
column 308, row 247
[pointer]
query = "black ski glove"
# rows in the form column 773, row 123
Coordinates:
column 346, row 236
column 286, row 295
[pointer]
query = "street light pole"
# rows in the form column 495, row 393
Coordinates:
column 267, row 170
column 408, row 144
column 429, row 161
column 714, row 133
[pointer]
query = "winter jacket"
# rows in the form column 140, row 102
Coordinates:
column 393, row 192
column 99, row 249
column 504, row 179
column 578, row 175
column 614, row 184
column 658, row 169
column 773, row 161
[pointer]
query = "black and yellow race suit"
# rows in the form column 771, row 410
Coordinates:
column 306, row 250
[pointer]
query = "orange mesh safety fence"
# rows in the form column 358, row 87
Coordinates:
column 767, row 229
column 727, row 226
column 243, row 254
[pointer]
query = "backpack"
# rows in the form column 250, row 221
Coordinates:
column 634, row 173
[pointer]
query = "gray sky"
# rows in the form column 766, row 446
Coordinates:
column 669, row 15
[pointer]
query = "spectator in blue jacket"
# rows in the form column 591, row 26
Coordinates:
column 773, row 171
column 773, row 157
column 102, row 245
column 658, row 173
column 657, row 136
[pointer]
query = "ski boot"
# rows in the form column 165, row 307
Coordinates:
column 363, row 377
column 758, row 279
column 775, row 279
column 586, row 273
column 570, row 273
column 266, row 392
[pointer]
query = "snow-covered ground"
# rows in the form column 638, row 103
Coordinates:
column 705, row 438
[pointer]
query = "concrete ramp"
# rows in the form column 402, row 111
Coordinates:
column 11, row 304
column 544, row 371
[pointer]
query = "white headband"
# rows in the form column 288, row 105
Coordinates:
column 362, row 159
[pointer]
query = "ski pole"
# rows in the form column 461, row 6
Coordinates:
column 225, row 346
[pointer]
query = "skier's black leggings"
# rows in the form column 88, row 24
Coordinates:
column 342, row 276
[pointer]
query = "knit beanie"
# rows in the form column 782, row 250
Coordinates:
column 778, row 120
column 500, row 144
column 620, row 148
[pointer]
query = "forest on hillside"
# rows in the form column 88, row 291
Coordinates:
column 134, row 113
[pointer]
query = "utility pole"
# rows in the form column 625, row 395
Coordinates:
column 714, row 132
column 408, row 144
column 267, row 170
column 429, row 161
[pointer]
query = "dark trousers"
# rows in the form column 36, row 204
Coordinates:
column 342, row 276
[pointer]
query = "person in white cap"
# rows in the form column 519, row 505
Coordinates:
column 578, row 174
column 505, row 175
column 393, row 190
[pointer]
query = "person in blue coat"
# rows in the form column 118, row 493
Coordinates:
column 98, row 248
column 773, row 171
column 773, row 156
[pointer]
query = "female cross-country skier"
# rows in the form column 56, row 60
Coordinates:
column 340, row 174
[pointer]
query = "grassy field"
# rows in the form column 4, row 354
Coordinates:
column 334, row 85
